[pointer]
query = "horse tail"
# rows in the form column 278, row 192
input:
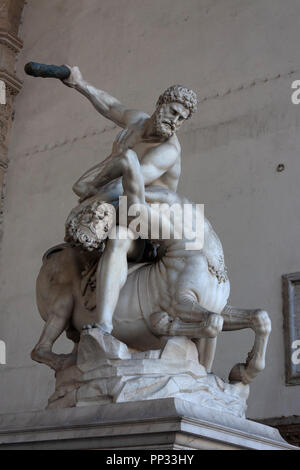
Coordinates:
column 54, row 249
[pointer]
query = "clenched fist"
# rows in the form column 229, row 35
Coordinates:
column 75, row 77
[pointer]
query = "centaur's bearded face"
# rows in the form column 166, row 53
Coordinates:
column 168, row 118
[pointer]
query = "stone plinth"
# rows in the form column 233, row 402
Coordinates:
column 155, row 424
column 107, row 371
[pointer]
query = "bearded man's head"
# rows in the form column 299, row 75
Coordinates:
column 175, row 105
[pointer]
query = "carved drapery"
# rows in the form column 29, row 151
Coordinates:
column 10, row 45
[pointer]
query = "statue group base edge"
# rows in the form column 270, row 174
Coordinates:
column 161, row 424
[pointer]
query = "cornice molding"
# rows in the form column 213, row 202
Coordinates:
column 10, row 40
column 3, row 165
column 11, row 81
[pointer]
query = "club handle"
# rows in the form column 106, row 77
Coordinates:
column 47, row 71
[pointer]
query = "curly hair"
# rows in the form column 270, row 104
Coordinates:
column 179, row 94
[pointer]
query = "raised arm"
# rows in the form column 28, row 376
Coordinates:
column 105, row 104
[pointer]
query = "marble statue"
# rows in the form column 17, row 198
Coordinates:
column 144, row 313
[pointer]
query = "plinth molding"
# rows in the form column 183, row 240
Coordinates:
column 168, row 423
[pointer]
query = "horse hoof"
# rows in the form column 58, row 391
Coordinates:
column 238, row 374
column 36, row 355
column 57, row 362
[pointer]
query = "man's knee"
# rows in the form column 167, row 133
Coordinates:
column 131, row 156
column 122, row 241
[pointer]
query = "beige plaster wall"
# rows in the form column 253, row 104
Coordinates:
column 239, row 56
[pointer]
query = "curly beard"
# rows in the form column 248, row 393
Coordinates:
column 161, row 129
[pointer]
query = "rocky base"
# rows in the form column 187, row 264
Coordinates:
column 107, row 371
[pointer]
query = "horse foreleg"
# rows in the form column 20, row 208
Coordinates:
column 193, row 321
column 190, row 310
column 57, row 321
column 206, row 351
column 259, row 322
column 164, row 324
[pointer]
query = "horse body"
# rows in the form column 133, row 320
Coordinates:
column 160, row 287
column 151, row 288
column 183, row 294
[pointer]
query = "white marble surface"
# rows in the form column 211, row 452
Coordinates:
column 106, row 371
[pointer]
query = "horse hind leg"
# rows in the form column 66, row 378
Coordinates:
column 59, row 316
column 259, row 322
column 196, row 323
column 209, row 326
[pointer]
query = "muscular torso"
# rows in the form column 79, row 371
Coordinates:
column 170, row 178
column 132, row 138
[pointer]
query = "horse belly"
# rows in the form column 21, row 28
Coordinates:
column 213, row 294
column 129, row 324
column 81, row 315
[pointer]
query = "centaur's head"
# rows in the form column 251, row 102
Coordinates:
column 173, row 107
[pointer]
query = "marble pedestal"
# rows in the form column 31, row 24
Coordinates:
column 168, row 423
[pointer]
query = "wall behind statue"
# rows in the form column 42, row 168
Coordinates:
column 241, row 57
